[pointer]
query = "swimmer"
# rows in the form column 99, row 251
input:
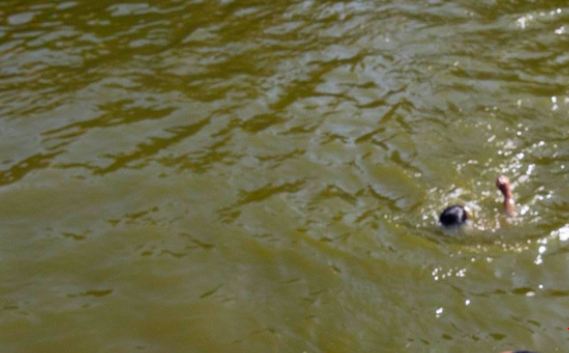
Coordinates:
column 453, row 216
column 457, row 215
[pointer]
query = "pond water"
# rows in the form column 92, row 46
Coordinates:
column 265, row 176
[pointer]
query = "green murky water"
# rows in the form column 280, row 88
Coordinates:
column 265, row 176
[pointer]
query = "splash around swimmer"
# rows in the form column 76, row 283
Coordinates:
column 457, row 215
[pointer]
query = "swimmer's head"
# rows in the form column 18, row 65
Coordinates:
column 453, row 216
column 519, row 352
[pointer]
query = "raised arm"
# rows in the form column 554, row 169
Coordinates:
column 503, row 184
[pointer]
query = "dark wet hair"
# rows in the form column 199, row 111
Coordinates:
column 523, row 352
column 454, row 215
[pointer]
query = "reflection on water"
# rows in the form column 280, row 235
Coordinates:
column 266, row 176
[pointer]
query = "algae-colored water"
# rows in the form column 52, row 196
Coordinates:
column 265, row 176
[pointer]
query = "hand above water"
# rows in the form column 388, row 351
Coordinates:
column 503, row 184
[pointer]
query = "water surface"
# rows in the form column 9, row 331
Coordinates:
column 265, row 176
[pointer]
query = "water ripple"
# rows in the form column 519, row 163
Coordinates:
column 278, row 169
